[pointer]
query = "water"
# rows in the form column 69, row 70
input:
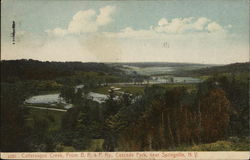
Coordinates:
column 54, row 99
column 167, row 79
column 45, row 99
column 187, row 80
column 48, row 99
column 149, row 70
column 100, row 98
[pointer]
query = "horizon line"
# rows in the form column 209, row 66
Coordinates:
column 126, row 61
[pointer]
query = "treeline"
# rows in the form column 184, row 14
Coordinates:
column 165, row 119
column 234, row 68
column 14, row 131
column 161, row 119
column 14, row 70
column 161, row 64
column 171, row 119
column 39, row 77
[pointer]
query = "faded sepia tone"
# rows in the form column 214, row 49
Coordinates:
column 108, row 76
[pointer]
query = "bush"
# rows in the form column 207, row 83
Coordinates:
column 81, row 143
column 217, row 146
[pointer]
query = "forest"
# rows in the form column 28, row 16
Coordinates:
column 212, row 115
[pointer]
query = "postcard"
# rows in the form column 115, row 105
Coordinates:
column 116, row 80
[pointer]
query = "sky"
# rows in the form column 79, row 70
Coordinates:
column 193, row 31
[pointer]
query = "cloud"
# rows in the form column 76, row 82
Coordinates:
column 162, row 22
column 190, row 24
column 213, row 27
column 200, row 23
column 199, row 48
column 86, row 21
column 177, row 26
column 104, row 17
column 83, row 21
column 190, row 39
column 129, row 32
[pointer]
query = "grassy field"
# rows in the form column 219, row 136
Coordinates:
column 139, row 90
column 226, row 145
column 95, row 146
column 55, row 117
column 202, row 77
column 48, row 92
column 189, row 86
column 135, row 90
column 102, row 90
column 68, row 149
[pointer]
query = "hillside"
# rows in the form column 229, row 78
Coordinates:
column 12, row 70
column 231, row 68
column 161, row 64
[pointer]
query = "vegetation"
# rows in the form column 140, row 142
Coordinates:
column 160, row 64
column 236, row 68
column 233, row 144
column 136, row 90
column 14, row 132
column 14, row 70
column 209, row 116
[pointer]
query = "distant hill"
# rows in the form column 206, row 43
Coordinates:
column 161, row 64
column 38, row 70
column 231, row 68
column 158, row 68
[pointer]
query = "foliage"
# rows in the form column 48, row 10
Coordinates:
column 235, row 68
column 82, row 122
column 14, row 70
column 212, row 115
column 170, row 118
column 228, row 145
column 14, row 132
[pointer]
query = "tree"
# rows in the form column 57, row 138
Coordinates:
column 67, row 93
column 42, row 137
column 14, row 132
column 215, row 115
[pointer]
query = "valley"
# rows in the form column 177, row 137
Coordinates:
column 108, row 109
